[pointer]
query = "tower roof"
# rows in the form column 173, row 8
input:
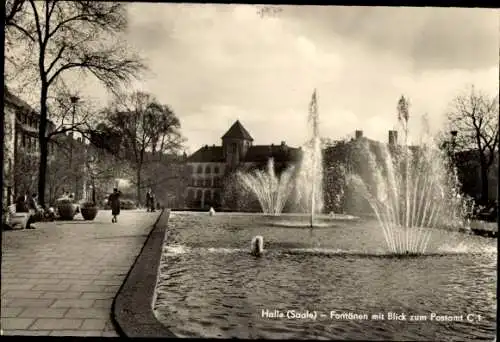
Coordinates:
column 237, row 131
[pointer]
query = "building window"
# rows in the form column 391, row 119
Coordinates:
column 216, row 169
column 217, row 196
column 234, row 148
column 207, row 169
column 200, row 169
column 24, row 140
column 207, row 196
column 198, row 195
column 207, row 182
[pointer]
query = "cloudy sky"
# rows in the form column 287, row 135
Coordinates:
column 215, row 64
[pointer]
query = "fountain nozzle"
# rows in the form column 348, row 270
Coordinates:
column 257, row 246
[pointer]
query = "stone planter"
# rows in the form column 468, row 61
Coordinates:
column 89, row 212
column 66, row 211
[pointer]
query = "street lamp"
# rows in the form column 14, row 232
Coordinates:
column 74, row 100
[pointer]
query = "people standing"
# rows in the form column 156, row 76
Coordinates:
column 114, row 202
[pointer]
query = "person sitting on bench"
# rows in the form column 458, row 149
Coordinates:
column 22, row 203
column 33, row 210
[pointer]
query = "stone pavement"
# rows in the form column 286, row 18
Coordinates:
column 60, row 279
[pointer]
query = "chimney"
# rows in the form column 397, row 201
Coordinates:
column 393, row 138
column 206, row 146
column 359, row 134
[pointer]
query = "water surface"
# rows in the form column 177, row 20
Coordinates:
column 210, row 286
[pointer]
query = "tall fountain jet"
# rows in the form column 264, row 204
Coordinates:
column 410, row 190
column 309, row 184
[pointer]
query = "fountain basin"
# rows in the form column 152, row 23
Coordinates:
column 210, row 286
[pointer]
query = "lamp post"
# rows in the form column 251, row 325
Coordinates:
column 74, row 100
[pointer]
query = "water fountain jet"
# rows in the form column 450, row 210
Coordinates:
column 411, row 190
column 309, row 185
column 271, row 190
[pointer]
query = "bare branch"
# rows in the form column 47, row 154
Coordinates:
column 37, row 25
column 57, row 58
column 106, row 66
column 12, row 9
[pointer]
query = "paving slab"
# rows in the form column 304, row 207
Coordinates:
column 60, row 278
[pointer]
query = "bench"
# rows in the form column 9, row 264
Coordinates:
column 14, row 218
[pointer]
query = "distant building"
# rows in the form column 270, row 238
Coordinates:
column 209, row 166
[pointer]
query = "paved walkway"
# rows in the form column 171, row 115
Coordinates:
column 61, row 278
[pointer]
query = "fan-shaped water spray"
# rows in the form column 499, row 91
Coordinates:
column 271, row 190
column 411, row 189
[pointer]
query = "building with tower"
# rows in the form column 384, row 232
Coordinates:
column 210, row 166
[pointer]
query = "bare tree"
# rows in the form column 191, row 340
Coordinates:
column 70, row 36
column 474, row 116
column 148, row 129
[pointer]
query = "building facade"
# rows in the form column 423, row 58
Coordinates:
column 209, row 168
column 21, row 147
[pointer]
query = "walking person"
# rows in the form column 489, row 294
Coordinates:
column 114, row 202
column 153, row 198
column 149, row 199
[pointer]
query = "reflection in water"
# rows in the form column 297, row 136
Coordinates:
column 210, row 286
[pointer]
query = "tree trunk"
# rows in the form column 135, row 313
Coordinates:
column 138, row 183
column 43, row 142
column 484, row 182
column 2, row 141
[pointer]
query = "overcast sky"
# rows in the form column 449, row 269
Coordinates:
column 215, row 64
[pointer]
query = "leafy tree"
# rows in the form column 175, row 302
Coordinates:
column 148, row 130
column 60, row 38
column 474, row 118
